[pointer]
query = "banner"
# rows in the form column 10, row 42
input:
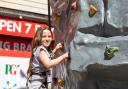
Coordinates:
column 13, row 72
column 20, row 28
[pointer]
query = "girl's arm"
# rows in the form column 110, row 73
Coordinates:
column 51, row 63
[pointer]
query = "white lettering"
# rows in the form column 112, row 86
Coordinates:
column 9, row 26
column 28, row 27
column 36, row 26
column 16, row 46
column 29, row 47
column 18, row 27
column 6, row 45
column 2, row 24
column 22, row 46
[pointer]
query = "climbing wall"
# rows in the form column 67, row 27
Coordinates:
column 95, row 33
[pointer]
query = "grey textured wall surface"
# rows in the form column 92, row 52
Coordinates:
column 98, row 44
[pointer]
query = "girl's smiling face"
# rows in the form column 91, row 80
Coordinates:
column 46, row 38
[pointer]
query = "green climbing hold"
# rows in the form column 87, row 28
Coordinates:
column 110, row 52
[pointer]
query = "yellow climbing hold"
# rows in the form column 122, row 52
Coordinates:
column 92, row 10
column 61, row 82
column 56, row 18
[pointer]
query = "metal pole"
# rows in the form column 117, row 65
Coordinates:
column 49, row 17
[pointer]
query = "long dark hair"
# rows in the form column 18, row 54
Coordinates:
column 36, row 41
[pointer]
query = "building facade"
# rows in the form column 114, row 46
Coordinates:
column 19, row 19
